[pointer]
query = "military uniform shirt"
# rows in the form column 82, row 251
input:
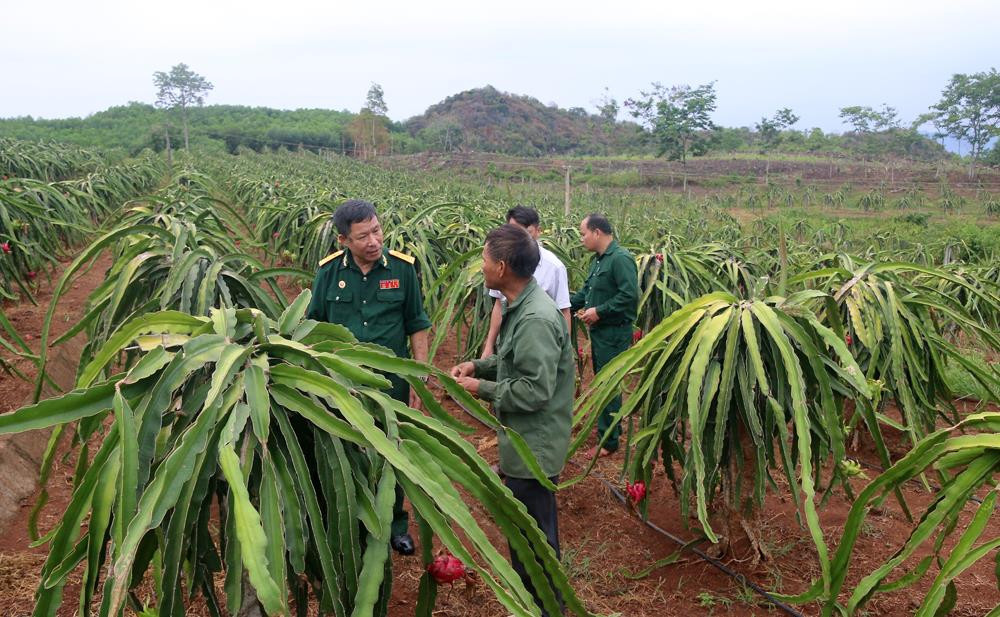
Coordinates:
column 383, row 306
column 612, row 287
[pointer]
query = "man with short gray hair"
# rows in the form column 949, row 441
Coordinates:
column 375, row 294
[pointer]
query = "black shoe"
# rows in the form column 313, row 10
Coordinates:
column 402, row 544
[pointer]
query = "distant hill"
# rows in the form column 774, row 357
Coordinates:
column 486, row 119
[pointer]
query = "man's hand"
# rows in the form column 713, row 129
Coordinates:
column 465, row 369
column 463, row 374
column 496, row 316
column 469, row 383
column 588, row 316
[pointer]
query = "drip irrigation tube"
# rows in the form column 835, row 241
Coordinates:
column 736, row 576
column 708, row 558
column 740, row 578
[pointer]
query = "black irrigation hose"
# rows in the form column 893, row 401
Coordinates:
column 740, row 578
column 736, row 576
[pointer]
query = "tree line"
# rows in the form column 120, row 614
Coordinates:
column 671, row 121
column 678, row 121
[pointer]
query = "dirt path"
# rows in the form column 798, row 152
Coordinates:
column 27, row 319
column 20, row 454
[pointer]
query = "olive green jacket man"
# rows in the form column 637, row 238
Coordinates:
column 530, row 382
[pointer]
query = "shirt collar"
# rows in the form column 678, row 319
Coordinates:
column 611, row 249
column 350, row 263
column 530, row 287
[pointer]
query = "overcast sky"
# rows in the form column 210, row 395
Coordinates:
column 73, row 58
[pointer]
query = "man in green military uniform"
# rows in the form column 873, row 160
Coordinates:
column 607, row 303
column 529, row 380
column 375, row 294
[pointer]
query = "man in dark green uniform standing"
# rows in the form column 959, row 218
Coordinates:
column 607, row 303
column 529, row 380
column 375, row 294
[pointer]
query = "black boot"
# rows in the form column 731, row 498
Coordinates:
column 402, row 544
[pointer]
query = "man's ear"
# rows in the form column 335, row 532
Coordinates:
column 341, row 238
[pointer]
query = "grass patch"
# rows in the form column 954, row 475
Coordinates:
column 961, row 381
column 578, row 561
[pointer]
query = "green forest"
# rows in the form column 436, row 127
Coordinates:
column 483, row 120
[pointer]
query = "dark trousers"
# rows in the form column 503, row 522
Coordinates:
column 400, row 517
column 541, row 505
column 606, row 344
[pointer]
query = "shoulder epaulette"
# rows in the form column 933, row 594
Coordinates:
column 330, row 257
column 410, row 259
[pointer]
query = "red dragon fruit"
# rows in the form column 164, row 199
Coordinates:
column 637, row 491
column 446, row 568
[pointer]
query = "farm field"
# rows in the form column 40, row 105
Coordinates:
column 749, row 184
column 800, row 336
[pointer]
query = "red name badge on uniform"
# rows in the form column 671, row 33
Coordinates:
column 389, row 284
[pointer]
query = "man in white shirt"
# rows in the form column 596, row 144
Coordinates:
column 550, row 276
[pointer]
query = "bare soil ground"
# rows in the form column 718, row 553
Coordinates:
column 832, row 172
column 601, row 540
column 27, row 319
column 19, row 563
